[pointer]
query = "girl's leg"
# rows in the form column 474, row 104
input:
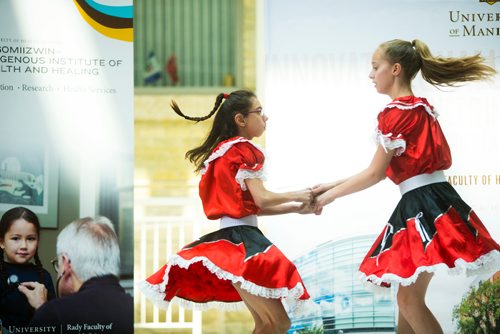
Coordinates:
column 411, row 302
column 403, row 325
column 269, row 315
column 257, row 320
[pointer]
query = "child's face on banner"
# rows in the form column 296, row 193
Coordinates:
column 20, row 242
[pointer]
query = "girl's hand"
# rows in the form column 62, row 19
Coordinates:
column 322, row 200
column 322, row 187
column 305, row 196
column 305, row 208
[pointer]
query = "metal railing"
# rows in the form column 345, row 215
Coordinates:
column 162, row 226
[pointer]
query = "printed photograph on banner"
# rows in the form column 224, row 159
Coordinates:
column 66, row 166
column 314, row 69
column 22, row 179
column 29, row 178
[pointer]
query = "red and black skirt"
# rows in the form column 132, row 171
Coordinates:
column 431, row 228
column 202, row 274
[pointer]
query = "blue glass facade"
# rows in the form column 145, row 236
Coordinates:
column 330, row 273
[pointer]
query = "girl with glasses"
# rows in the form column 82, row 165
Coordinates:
column 236, row 264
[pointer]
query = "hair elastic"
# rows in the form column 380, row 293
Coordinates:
column 226, row 95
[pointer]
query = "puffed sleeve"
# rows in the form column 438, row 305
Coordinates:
column 394, row 127
column 250, row 163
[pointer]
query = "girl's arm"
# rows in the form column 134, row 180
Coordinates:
column 303, row 208
column 373, row 174
column 272, row 203
column 321, row 188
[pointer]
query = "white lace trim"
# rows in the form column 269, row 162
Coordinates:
column 153, row 293
column 398, row 145
column 224, row 148
column 156, row 292
column 407, row 106
column 486, row 264
column 244, row 174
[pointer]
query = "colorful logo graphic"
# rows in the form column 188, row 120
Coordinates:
column 112, row 21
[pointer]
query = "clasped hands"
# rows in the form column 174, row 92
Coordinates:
column 316, row 198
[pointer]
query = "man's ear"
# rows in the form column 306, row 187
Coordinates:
column 2, row 243
column 240, row 120
column 66, row 265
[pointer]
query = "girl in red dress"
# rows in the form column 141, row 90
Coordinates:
column 235, row 264
column 431, row 226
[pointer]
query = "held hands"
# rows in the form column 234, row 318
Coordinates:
column 322, row 196
column 309, row 202
column 305, row 208
column 35, row 292
column 314, row 199
column 306, row 198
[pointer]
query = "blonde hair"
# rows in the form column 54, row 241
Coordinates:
column 438, row 71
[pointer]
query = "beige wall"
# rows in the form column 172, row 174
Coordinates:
column 161, row 140
column 161, row 171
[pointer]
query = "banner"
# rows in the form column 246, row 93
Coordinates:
column 66, row 89
column 66, row 92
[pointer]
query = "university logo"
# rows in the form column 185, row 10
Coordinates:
column 489, row 2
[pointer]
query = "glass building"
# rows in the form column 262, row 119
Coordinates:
column 330, row 273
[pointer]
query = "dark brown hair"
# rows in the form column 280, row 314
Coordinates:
column 8, row 218
column 223, row 127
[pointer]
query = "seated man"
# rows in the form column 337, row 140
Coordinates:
column 91, row 298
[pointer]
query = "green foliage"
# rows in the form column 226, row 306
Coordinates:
column 312, row 330
column 479, row 310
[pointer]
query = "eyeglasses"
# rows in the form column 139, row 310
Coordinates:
column 259, row 111
column 55, row 264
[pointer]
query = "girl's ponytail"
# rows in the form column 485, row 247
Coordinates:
column 438, row 71
column 442, row 71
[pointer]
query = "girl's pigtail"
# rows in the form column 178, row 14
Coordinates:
column 39, row 267
column 3, row 270
column 218, row 102
column 223, row 126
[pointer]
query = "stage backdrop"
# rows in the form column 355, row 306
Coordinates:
column 322, row 111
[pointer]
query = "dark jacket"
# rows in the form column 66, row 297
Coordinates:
column 100, row 306
column 14, row 307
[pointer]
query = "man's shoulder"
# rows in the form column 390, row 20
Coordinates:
column 103, row 297
column 47, row 313
column 84, row 306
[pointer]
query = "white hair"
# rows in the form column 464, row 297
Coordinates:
column 92, row 247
